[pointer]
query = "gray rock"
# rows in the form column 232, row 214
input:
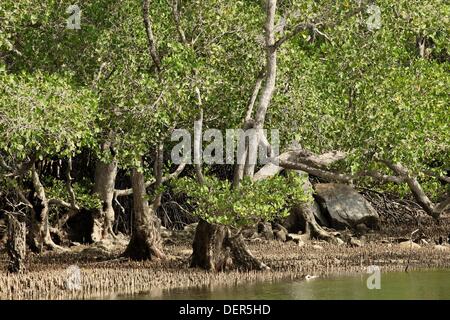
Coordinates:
column 409, row 244
column 265, row 230
column 345, row 206
column 317, row 247
column 248, row 232
column 294, row 237
column 355, row 242
column 297, row 237
column 280, row 235
column 362, row 228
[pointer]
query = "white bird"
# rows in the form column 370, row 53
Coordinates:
column 309, row 277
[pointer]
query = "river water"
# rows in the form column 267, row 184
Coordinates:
column 424, row 284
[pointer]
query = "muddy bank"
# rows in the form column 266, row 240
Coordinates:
column 105, row 273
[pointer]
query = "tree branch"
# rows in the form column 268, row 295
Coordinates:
column 173, row 175
column 150, row 37
column 177, row 16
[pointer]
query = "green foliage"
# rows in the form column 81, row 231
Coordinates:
column 217, row 202
column 369, row 92
column 366, row 92
column 44, row 115
column 57, row 189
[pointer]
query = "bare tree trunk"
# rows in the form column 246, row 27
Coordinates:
column 215, row 249
column 208, row 252
column 270, row 81
column 16, row 244
column 40, row 229
column 306, row 213
column 213, row 245
column 105, row 179
column 146, row 241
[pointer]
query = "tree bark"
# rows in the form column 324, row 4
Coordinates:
column 145, row 242
column 215, row 249
column 105, row 179
column 313, row 228
column 40, row 228
column 16, row 244
column 270, row 82
column 208, row 252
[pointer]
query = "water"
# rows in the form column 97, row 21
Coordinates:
column 427, row 284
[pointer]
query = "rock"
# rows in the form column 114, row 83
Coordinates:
column 265, row 230
column 317, row 247
column 409, row 244
column 280, row 235
column 339, row 241
column 441, row 247
column 355, row 242
column 362, row 228
column 296, row 238
column 277, row 226
column 96, row 251
column 248, row 232
column 280, row 232
column 345, row 206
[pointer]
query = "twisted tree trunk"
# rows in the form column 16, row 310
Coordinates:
column 215, row 249
column 145, row 242
column 40, row 228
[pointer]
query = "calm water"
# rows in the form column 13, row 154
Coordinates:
column 428, row 284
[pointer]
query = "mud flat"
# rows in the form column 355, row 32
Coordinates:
column 105, row 274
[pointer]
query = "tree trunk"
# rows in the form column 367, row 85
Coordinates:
column 145, row 242
column 40, row 228
column 105, row 178
column 208, row 252
column 270, row 82
column 311, row 226
column 214, row 249
column 16, row 244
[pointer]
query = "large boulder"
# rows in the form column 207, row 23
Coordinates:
column 345, row 206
